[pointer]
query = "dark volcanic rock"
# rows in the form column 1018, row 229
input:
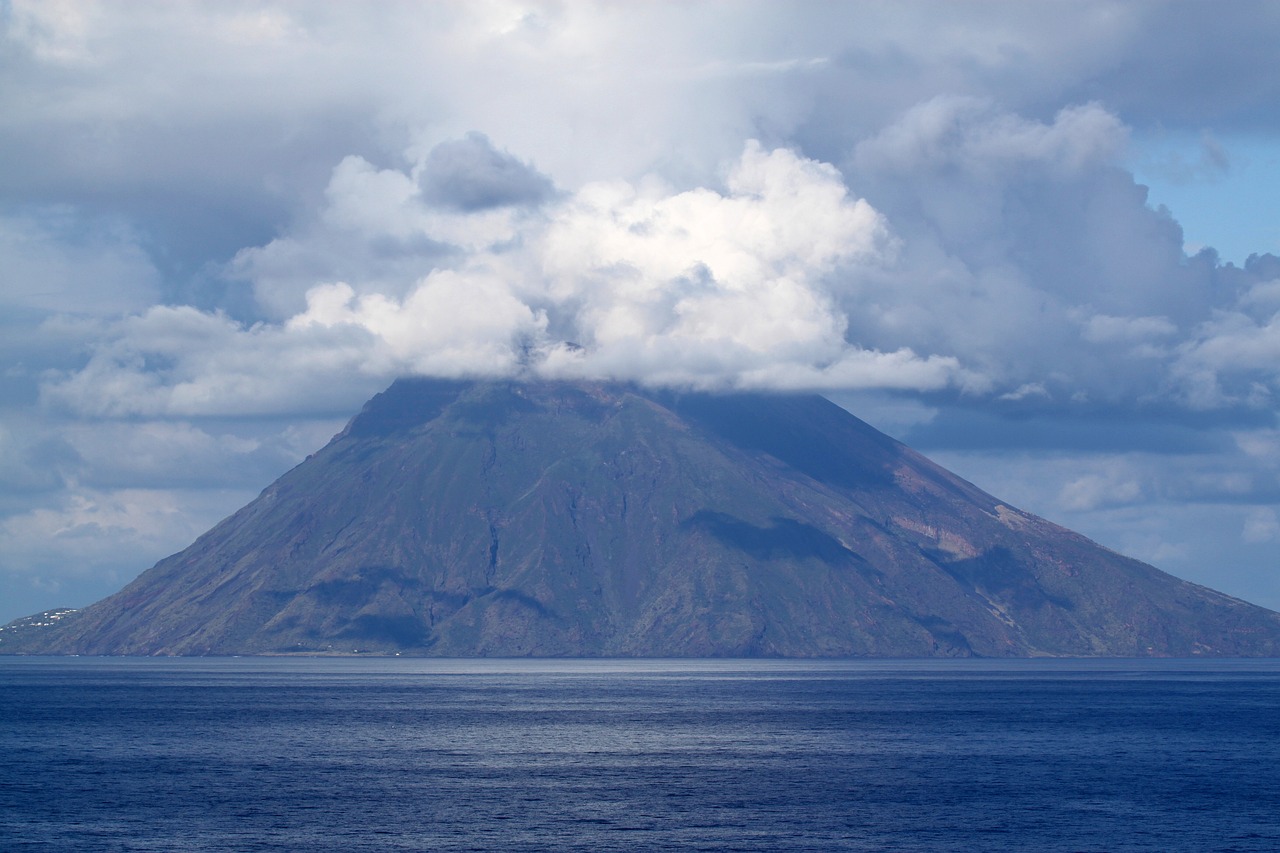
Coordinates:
column 501, row 518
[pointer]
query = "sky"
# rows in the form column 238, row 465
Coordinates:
column 1039, row 242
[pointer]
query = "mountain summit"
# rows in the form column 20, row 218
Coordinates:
column 597, row 519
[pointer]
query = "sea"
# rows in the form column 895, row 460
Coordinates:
column 398, row 754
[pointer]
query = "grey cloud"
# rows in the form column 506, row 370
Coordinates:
column 1185, row 63
column 186, row 455
column 34, row 461
column 52, row 259
column 1031, row 257
column 469, row 174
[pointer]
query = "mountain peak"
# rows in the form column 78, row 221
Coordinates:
column 455, row 517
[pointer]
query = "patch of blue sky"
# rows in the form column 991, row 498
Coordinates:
column 1223, row 190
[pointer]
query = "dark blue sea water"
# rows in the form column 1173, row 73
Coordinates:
column 396, row 754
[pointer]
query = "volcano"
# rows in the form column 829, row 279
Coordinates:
column 470, row 518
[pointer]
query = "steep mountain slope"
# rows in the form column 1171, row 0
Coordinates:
column 502, row 518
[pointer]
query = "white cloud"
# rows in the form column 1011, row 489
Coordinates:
column 452, row 325
column 739, row 287
column 372, row 202
column 740, row 280
column 1233, row 358
column 181, row 362
column 1025, row 391
column 1012, row 258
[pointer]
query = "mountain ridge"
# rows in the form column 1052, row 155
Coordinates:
column 460, row 518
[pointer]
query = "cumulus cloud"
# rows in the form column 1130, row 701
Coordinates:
column 1233, row 357
column 180, row 362
column 1034, row 260
column 993, row 255
column 739, row 287
column 451, row 325
column 710, row 287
